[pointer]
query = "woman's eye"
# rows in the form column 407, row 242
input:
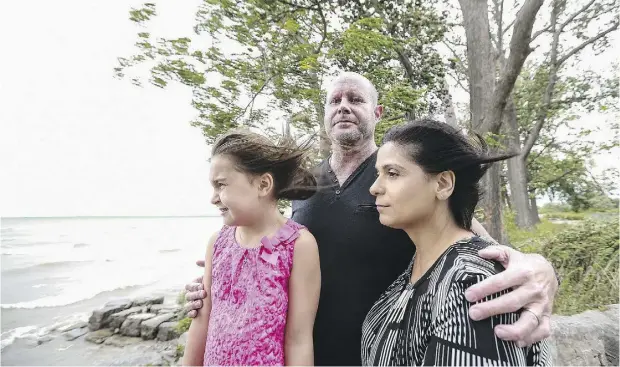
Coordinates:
column 392, row 173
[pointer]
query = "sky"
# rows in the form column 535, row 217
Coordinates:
column 75, row 141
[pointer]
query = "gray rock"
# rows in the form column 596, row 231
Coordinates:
column 120, row 302
column 182, row 339
column 75, row 325
column 148, row 329
column 168, row 331
column 75, row 333
column 34, row 341
column 131, row 325
column 586, row 339
column 98, row 336
column 116, row 320
column 158, row 309
column 100, row 318
column 145, row 301
column 121, row 341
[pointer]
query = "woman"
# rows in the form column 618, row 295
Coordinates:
column 427, row 185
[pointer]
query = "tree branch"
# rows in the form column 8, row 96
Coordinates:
column 572, row 17
column 538, row 33
column 533, row 158
column 541, row 115
column 296, row 5
column 251, row 103
column 519, row 50
column 324, row 30
column 587, row 42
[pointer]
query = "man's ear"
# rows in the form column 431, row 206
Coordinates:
column 265, row 184
column 378, row 112
column 445, row 185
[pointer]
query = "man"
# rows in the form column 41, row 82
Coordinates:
column 360, row 257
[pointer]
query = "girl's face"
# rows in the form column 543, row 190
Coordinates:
column 405, row 194
column 236, row 194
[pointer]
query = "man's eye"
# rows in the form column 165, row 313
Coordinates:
column 335, row 100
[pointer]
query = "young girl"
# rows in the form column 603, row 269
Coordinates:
column 262, row 269
column 427, row 185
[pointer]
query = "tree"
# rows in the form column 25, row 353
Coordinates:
column 488, row 90
column 553, row 94
column 255, row 62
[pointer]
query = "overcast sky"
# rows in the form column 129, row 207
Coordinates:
column 74, row 140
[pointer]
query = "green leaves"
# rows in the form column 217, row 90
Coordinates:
column 267, row 60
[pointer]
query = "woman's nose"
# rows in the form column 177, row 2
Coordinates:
column 375, row 188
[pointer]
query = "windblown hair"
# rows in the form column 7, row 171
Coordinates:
column 437, row 147
column 255, row 154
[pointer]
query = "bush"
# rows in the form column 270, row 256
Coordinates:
column 183, row 325
column 530, row 240
column 566, row 215
column 586, row 258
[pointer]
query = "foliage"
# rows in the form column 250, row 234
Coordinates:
column 183, row 325
column 265, row 61
column 586, row 258
column 530, row 240
column 181, row 298
column 180, row 351
column 566, row 215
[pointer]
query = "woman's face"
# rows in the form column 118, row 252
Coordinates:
column 404, row 193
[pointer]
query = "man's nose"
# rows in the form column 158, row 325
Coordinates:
column 344, row 107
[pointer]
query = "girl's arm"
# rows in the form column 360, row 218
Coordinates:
column 304, row 289
column 197, row 334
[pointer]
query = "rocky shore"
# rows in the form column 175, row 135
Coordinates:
column 148, row 332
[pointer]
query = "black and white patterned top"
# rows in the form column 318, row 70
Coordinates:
column 428, row 323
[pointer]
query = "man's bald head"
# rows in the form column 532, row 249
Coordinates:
column 351, row 77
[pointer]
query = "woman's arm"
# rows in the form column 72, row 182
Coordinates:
column 304, row 289
column 197, row 334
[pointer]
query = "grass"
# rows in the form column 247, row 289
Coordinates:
column 183, row 325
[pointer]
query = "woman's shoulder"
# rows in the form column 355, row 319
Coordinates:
column 465, row 264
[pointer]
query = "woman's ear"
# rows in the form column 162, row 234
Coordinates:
column 445, row 185
column 265, row 184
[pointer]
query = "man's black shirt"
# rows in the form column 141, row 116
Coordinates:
column 359, row 258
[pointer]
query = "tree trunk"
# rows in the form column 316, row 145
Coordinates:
column 534, row 209
column 448, row 105
column 517, row 170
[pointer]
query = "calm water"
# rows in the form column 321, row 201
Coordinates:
column 59, row 269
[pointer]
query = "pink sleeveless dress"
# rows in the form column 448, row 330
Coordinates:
column 249, row 296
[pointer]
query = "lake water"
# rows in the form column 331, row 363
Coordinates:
column 58, row 269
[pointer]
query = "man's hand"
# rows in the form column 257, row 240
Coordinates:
column 534, row 287
column 195, row 294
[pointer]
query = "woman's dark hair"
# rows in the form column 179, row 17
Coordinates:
column 437, row 147
column 255, row 154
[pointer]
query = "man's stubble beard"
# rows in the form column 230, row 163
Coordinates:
column 350, row 139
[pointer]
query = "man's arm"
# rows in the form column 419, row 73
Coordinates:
column 198, row 329
column 304, row 290
column 534, row 283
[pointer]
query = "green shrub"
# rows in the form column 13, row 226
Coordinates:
column 181, row 298
column 586, row 258
column 180, row 351
column 183, row 325
column 530, row 240
column 566, row 215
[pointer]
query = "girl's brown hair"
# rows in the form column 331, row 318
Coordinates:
column 255, row 154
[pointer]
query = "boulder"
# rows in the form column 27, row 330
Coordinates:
column 131, row 325
column 98, row 336
column 586, row 339
column 116, row 320
column 75, row 333
column 182, row 339
column 120, row 302
column 161, row 308
column 146, row 301
column 168, row 331
column 121, row 341
column 148, row 329
column 100, row 318
column 75, row 325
